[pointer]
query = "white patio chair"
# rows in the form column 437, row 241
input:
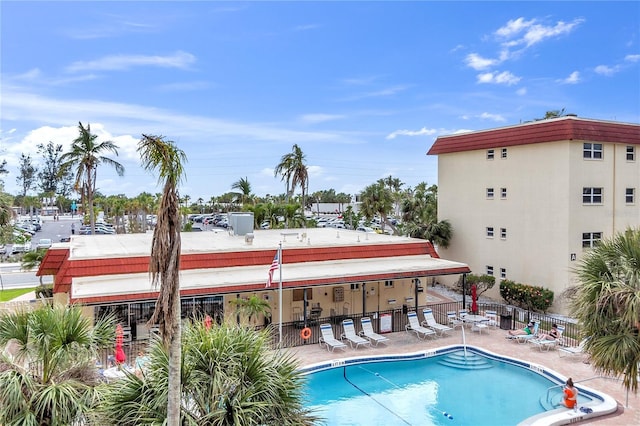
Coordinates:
column 367, row 332
column 349, row 333
column 327, row 338
column 430, row 322
column 415, row 327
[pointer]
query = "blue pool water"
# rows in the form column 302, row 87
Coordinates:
column 446, row 389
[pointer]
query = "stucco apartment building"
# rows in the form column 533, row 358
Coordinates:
column 526, row 201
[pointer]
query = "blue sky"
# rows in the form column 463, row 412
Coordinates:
column 364, row 88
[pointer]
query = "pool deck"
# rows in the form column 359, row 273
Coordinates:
column 493, row 340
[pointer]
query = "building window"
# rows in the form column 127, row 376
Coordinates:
column 503, row 153
column 490, row 231
column 355, row 286
column 490, row 154
column 592, row 151
column 503, row 192
column 630, row 195
column 591, row 195
column 503, row 273
column 589, row 239
column 631, row 153
column 489, row 270
column 388, row 284
column 503, row 233
column 490, row 193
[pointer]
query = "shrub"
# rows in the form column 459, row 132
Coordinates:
column 526, row 296
column 44, row 291
column 482, row 282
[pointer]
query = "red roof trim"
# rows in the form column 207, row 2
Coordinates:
column 560, row 129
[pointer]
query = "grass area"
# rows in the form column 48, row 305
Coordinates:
column 10, row 294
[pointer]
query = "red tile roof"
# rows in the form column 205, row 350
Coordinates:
column 559, row 129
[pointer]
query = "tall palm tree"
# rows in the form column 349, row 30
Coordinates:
column 85, row 156
column 606, row 302
column 231, row 377
column 244, row 187
column 293, row 169
column 164, row 262
column 252, row 307
column 376, row 200
column 51, row 376
column 420, row 216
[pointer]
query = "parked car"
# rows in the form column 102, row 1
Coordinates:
column 365, row 229
column 44, row 243
column 65, row 239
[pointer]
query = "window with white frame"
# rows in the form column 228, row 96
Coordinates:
column 589, row 239
column 591, row 195
column 503, row 233
column 631, row 153
column 503, row 193
column 355, row 286
column 630, row 195
column 388, row 284
column 490, row 154
column 490, row 193
column 490, row 231
column 503, row 153
column 592, row 151
column 503, row 273
column 489, row 270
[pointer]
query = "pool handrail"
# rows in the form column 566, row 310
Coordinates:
column 577, row 381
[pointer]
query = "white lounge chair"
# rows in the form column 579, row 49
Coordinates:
column 524, row 338
column 367, row 332
column 350, row 334
column 461, row 314
column 573, row 350
column 328, row 339
column 547, row 344
column 415, row 327
column 430, row 322
column 454, row 321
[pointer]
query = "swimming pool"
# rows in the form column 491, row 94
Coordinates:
column 443, row 387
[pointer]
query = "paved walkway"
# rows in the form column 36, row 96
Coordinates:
column 494, row 340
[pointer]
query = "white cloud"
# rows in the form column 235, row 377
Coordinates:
column 320, row 118
column 493, row 117
column 422, row 132
column 573, row 78
column 513, row 27
column 632, row 58
column 606, row 70
column 306, row 27
column 522, row 91
column 495, row 77
column 315, row 171
column 478, row 63
column 521, row 32
column 179, row 59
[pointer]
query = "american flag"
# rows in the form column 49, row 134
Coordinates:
column 274, row 267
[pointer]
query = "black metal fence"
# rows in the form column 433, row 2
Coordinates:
column 394, row 320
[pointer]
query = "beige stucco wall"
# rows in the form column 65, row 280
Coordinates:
column 543, row 212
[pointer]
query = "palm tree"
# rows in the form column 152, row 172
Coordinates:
column 252, row 307
column 231, row 377
column 244, row 188
column 32, row 259
column 51, row 376
column 293, row 169
column 85, row 156
column 606, row 302
column 376, row 199
column 420, row 216
column 164, row 262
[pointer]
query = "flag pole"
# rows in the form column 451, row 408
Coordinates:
column 280, row 293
